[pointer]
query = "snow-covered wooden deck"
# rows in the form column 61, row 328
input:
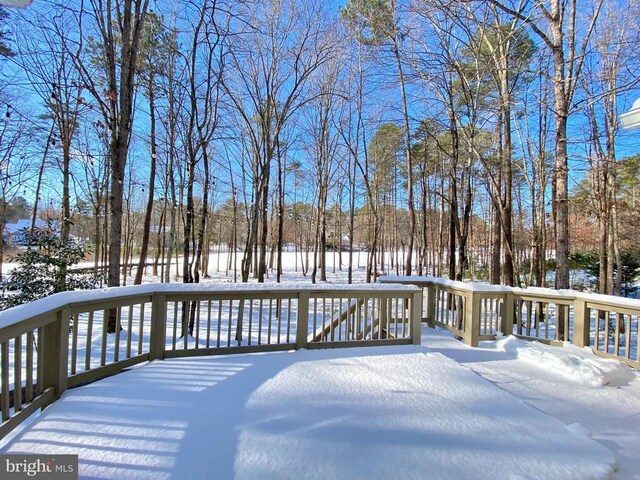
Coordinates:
column 441, row 410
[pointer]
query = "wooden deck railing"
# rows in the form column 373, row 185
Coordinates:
column 62, row 341
column 474, row 312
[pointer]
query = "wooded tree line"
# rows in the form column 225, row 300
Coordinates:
column 463, row 139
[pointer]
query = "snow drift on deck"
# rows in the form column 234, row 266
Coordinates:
column 578, row 364
column 389, row 412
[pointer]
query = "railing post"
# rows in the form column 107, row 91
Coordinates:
column 508, row 314
column 55, row 353
column 416, row 318
column 431, row 305
column 581, row 323
column 471, row 319
column 158, row 327
column 302, row 321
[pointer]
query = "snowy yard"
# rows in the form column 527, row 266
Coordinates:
column 442, row 410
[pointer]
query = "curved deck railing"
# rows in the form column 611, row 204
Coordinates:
column 63, row 341
column 474, row 312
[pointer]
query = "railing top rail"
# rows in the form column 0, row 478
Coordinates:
column 59, row 301
column 466, row 286
column 547, row 293
column 609, row 301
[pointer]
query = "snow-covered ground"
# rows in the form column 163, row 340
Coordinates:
column 438, row 411
column 508, row 409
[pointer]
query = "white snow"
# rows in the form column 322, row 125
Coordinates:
column 385, row 412
column 609, row 414
column 578, row 364
column 508, row 409
column 465, row 286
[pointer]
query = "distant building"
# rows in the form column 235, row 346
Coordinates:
column 14, row 233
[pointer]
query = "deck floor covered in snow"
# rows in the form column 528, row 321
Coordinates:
column 437, row 411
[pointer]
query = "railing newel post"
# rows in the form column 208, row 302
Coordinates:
column 302, row 321
column 508, row 314
column 581, row 323
column 55, row 354
column 158, row 327
column 416, row 318
column 471, row 318
column 431, row 305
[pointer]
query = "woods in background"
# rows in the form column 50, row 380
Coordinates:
column 470, row 139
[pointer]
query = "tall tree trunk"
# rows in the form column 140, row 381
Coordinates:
column 34, row 216
column 507, row 201
column 146, row 229
column 282, row 166
column 409, row 165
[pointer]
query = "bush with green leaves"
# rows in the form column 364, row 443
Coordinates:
column 629, row 271
column 44, row 269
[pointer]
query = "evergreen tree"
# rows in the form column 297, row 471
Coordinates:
column 44, row 269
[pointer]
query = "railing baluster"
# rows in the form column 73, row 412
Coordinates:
column 219, row 333
column 315, row 315
column 249, row 335
column 597, row 330
column 606, row 331
column 29, row 367
column 141, row 328
column 229, row 322
column 348, row 332
column 260, row 312
column 365, row 311
column 240, row 322
column 174, row 340
column 485, row 312
column 269, row 325
column 74, row 342
column 89, row 342
column 376, row 317
column 186, row 318
column 627, row 337
column 197, row 325
column 548, row 321
column 208, row 323
column 401, row 314
column 638, row 339
column 40, row 362
column 103, row 351
column 331, row 329
column 17, row 373
column 116, row 347
column 279, row 311
column 324, row 316
column 4, row 395
column 616, row 345
column 288, row 320
column 129, row 331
